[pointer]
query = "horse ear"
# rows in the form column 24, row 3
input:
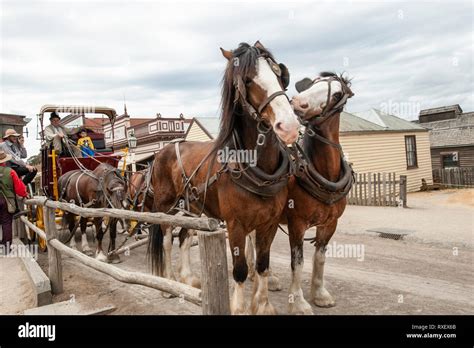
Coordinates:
column 303, row 85
column 227, row 54
column 258, row 44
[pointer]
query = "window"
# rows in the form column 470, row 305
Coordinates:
column 449, row 159
column 410, row 150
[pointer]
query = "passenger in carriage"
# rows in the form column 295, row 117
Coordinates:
column 17, row 151
column 57, row 136
column 85, row 144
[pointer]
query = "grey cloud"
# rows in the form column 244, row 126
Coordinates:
column 165, row 57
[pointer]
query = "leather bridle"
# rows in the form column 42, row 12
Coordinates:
column 241, row 90
column 336, row 108
column 307, row 176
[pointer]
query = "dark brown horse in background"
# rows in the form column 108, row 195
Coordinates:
column 140, row 192
column 319, row 104
column 100, row 188
column 250, row 82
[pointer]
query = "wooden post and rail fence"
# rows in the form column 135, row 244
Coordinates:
column 379, row 189
column 214, row 294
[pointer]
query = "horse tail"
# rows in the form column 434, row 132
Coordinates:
column 155, row 249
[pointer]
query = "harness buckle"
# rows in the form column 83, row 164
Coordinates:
column 262, row 127
column 236, row 174
column 261, row 139
column 310, row 132
column 194, row 193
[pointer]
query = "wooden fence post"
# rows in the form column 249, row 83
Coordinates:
column 214, row 276
column 55, row 269
column 403, row 190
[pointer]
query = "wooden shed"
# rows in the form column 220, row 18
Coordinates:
column 451, row 136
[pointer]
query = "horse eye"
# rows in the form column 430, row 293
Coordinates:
column 248, row 81
column 337, row 95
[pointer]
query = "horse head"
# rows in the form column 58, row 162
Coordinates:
column 321, row 97
column 257, row 83
column 114, row 186
column 117, row 189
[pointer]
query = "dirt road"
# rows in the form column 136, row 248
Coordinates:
column 429, row 272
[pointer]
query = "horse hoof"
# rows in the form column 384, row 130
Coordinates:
column 265, row 308
column 101, row 257
column 193, row 281
column 239, row 311
column 324, row 299
column 274, row 283
column 88, row 252
column 114, row 259
column 300, row 307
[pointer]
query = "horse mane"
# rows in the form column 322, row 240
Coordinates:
column 344, row 79
column 242, row 64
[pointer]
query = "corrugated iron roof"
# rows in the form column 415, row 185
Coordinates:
column 388, row 122
column 352, row 123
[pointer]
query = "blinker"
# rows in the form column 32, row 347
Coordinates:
column 275, row 67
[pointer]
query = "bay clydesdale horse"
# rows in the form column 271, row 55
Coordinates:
column 256, row 116
column 318, row 192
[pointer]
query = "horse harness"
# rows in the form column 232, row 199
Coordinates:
column 307, row 176
column 101, row 189
column 251, row 178
column 144, row 190
column 294, row 161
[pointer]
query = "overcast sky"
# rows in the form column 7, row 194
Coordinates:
column 164, row 57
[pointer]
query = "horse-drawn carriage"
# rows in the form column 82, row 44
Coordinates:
column 55, row 165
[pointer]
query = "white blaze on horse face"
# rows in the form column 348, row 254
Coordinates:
column 286, row 124
column 312, row 102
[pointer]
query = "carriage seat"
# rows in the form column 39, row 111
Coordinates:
column 99, row 145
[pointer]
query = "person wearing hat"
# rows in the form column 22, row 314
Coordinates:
column 57, row 135
column 12, row 147
column 10, row 186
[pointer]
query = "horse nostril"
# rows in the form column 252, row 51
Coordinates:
column 304, row 105
column 278, row 126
